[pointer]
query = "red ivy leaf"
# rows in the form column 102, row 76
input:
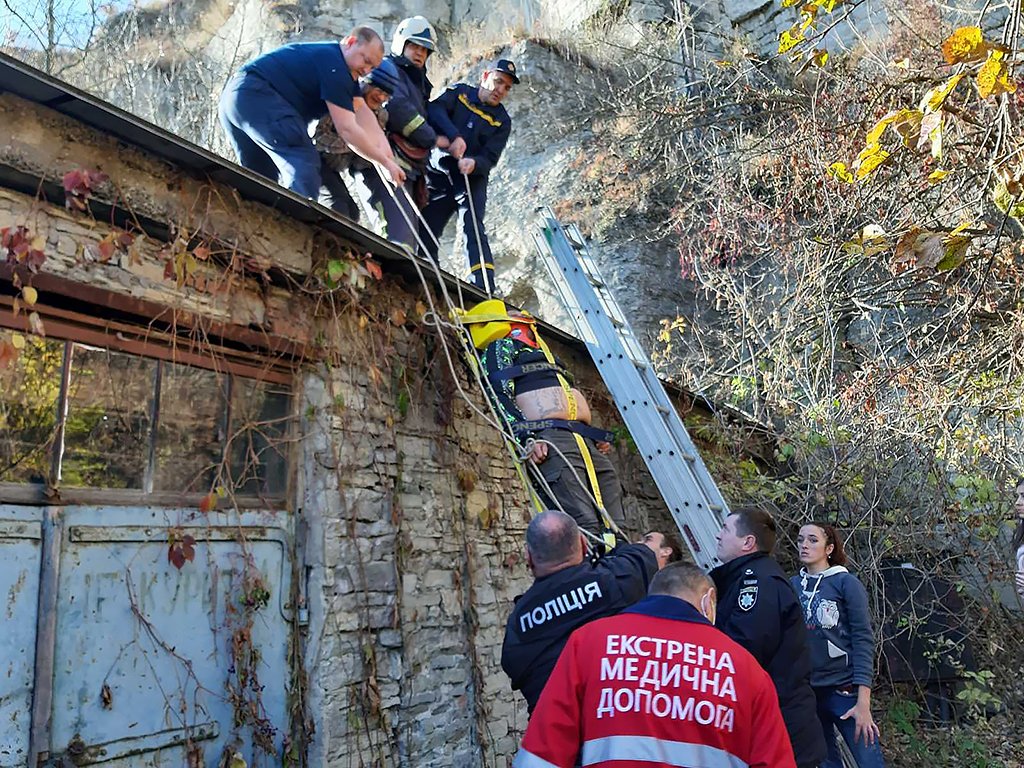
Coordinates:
column 374, row 269
column 208, row 503
column 8, row 354
column 22, row 247
column 79, row 185
column 181, row 551
column 106, row 248
column 175, row 556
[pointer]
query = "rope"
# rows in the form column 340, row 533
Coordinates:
column 488, row 288
column 520, row 455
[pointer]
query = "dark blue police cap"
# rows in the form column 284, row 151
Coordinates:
column 508, row 67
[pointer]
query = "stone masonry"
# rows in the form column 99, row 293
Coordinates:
column 409, row 513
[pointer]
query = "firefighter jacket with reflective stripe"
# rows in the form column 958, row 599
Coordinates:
column 653, row 687
column 407, row 114
column 485, row 129
column 545, row 616
column 759, row 609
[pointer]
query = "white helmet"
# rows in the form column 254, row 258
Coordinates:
column 415, row 29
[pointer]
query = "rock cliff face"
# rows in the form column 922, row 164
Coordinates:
column 169, row 63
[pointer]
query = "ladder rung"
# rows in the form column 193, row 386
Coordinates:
column 696, row 504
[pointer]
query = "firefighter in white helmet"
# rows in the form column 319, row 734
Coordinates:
column 409, row 133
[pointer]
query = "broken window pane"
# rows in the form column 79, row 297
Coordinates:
column 190, row 428
column 107, row 434
column 29, row 388
column 257, row 450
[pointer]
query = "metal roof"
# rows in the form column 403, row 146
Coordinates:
column 33, row 85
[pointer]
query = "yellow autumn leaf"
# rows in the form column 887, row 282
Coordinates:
column 935, row 97
column 789, row 39
column 907, row 125
column 994, row 76
column 30, row 295
column 965, row 46
column 961, row 227
column 868, row 160
column 807, row 16
column 879, row 128
column 903, row 63
column 954, row 252
column 839, row 171
column 937, row 176
column 870, row 241
column 17, row 341
column 789, row 3
column 820, row 57
column 931, row 134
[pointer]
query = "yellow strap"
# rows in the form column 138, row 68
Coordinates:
column 488, row 265
column 569, row 397
column 607, row 527
column 467, row 319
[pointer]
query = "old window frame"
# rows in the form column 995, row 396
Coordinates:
column 163, row 347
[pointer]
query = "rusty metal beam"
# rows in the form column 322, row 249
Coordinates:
column 37, row 495
column 85, row 329
column 59, row 291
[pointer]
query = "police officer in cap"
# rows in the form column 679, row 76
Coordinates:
column 758, row 608
column 477, row 128
column 568, row 592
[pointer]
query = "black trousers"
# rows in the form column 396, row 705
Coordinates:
column 446, row 194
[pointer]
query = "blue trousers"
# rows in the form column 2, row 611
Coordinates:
column 447, row 194
column 268, row 135
column 832, row 705
column 335, row 194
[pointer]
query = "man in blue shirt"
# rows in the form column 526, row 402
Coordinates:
column 477, row 128
column 266, row 109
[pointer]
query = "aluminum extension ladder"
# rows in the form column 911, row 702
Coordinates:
column 682, row 478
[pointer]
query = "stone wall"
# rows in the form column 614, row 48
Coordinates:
column 416, row 519
column 408, row 511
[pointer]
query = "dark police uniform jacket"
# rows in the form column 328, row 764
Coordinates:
column 485, row 129
column 549, row 611
column 758, row 608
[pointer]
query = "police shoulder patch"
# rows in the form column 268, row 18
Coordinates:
column 747, row 598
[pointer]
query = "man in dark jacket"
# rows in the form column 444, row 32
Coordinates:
column 410, row 135
column 568, row 592
column 477, row 128
column 758, row 608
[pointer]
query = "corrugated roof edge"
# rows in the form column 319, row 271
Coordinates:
column 34, row 85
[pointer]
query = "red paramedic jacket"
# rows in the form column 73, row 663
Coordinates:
column 656, row 687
